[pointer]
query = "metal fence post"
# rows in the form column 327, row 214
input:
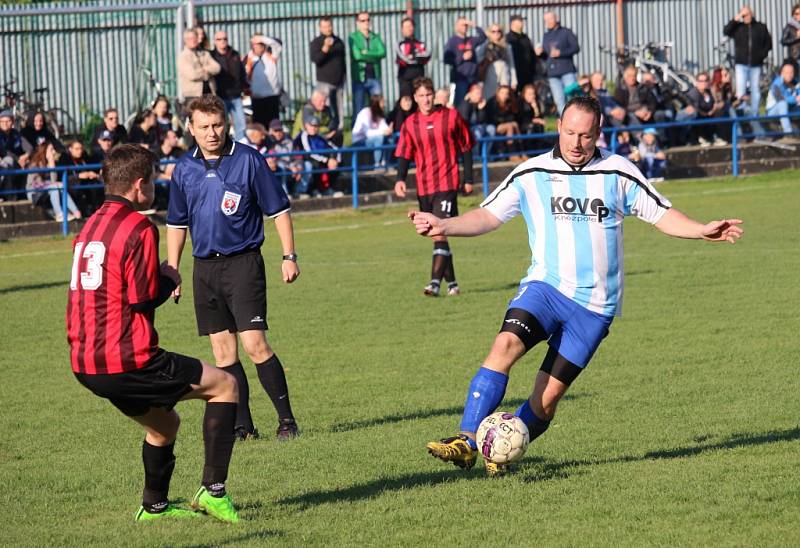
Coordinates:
column 485, row 167
column 354, row 178
column 64, row 198
column 614, row 140
column 735, row 148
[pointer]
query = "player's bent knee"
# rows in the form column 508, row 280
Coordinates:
column 508, row 345
column 524, row 326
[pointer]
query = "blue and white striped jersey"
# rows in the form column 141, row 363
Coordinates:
column 574, row 218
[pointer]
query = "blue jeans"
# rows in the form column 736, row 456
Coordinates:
column 782, row 107
column 483, row 130
column 362, row 91
column 653, row 167
column 235, row 109
column 373, row 142
column 750, row 75
column 557, row 85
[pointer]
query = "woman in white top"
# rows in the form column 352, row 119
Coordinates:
column 371, row 127
column 265, row 80
column 39, row 184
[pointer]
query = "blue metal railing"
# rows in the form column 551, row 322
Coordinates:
column 355, row 166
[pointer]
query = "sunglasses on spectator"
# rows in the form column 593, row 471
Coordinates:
column 495, row 30
column 221, row 39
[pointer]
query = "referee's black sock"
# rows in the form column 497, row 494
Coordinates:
column 243, row 417
column 159, row 462
column 441, row 256
column 273, row 379
column 218, row 423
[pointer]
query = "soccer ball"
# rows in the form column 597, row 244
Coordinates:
column 502, row 438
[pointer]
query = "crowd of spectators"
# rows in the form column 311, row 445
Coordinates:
column 497, row 77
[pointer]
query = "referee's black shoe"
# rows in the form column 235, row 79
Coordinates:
column 287, row 430
column 243, row 434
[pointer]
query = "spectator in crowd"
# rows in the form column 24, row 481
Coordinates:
column 366, row 52
column 88, row 199
column 167, row 151
column 231, row 81
column 530, row 118
column 664, row 110
column 264, row 78
column 782, row 97
column 403, row 108
column 14, row 153
column 791, row 35
column 625, row 146
column 722, row 88
column 36, row 132
column 442, row 97
column 637, row 100
column 559, row 46
column 315, row 184
column 751, row 45
column 202, row 38
column 105, row 142
column 473, row 110
column 164, row 121
column 411, row 57
column 255, row 136
column 496, row 66
column 613, row 113
column 371, row 128
column 651, row 159
column 522, row 50
column 143, row 132
column 196, row 68
column 317, row 108
column 112, row 125
column 502, row 111
column 286, row 168
column 328, row 54
column 702, row 104
column 41, row 185
column 460, row 54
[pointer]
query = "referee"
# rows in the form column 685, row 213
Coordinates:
column 220, row 192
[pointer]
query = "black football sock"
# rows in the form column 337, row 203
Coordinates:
column 218, row 424
column 243, row 417
column 159, row 462
column 441, row 254
column 273, row 379
column 450, row 271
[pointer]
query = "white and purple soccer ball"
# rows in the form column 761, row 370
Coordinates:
column 502, row 438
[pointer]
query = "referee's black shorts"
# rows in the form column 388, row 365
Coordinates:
column 230, row 293
column 163, row 382
column 441, row 204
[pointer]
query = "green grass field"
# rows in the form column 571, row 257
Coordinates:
column 683, row 431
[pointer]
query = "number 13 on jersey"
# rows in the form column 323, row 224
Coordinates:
column 92, row 277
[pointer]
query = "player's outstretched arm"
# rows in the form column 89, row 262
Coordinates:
column 176, row 240
column 285, row 229
column 677, row 224
column 474, row 223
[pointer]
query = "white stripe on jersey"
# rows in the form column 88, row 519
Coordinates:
column 574, row 219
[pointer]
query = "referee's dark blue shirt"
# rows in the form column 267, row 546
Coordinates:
column 222, row 202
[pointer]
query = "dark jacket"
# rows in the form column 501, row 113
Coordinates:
column 751, row 43
column 646, row 97
column 524, row 57
column 495, row 115
column 411, row 57
column 566, row 43
column 232, row 77
column 790, row 40
column 331, row 67
column 471, row 113
column 36, row 138
column 463, row 71
column 120, row 136
column 397, row 116
column 703, row 104
column 11, row 143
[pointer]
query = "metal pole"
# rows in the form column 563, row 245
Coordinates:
column 479, row 13
column 354, row 178
column 179, row 27
column 64, row 198
column 614, row 141
column 485, row 167
column 735, row 148
column 190, row 17
column 620, row 24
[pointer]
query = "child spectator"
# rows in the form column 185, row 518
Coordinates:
column 652, row 160
column 315, row 184
column 286, row 168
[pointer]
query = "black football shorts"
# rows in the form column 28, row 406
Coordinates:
column 161, row 383
column 441, row 204
column 230, row 293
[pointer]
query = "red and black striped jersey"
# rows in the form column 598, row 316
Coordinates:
column 114, row 266
column 434, row 142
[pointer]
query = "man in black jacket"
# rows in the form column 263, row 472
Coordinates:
column 791, row 35
column 521, row 47
column 411, row 56
column 327, row 53
column 231, row 81
column 637, row 100
column 751, row 44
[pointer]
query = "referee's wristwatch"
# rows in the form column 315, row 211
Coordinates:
column 290, row 257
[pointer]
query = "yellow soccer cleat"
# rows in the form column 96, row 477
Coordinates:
column 455, row 450
column 495, row 470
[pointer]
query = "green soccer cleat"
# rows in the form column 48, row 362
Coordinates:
column 455, row 450
column 170, row 512
column 495, row 470
column 216, row 507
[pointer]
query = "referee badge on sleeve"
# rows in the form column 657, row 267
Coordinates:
column 230, row 202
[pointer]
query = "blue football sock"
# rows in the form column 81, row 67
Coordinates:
column 486, row 391
column 536, row 426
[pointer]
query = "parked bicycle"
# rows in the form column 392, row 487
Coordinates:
column 653, row 57
column 57, row 119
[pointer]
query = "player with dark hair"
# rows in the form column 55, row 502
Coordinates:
column 574, row 199
column 220, row 191
column 116, row 286
column 433, row 137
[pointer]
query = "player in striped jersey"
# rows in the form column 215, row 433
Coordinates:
column 573, row 200
column 433, row 137
column 116, row 286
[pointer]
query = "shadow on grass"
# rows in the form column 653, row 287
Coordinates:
column 262, row 534
column 427, row 414
column 32, row 287
column 494, row 288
